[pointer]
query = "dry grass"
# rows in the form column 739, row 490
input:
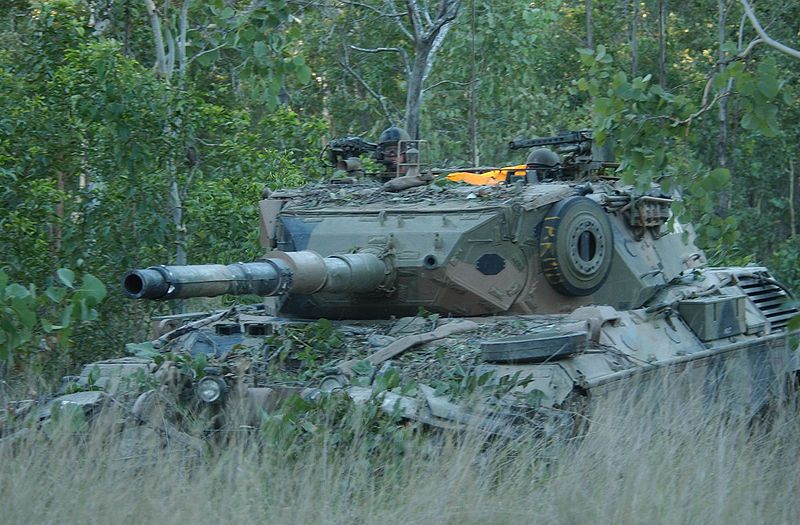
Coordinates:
column 649, row 457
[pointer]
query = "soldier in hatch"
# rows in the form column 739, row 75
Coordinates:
column 399, row 155
column 391, row 152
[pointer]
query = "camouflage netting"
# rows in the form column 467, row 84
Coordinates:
column 363, row 195
column 302, row 354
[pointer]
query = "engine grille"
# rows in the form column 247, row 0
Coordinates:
column 771, row 299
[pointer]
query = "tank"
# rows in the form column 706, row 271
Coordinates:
column 542, row 286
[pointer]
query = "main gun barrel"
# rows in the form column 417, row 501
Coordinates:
column 281, row 272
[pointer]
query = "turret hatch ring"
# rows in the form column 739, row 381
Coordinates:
column 576, row 246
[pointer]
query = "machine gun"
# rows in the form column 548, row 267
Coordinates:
column 571, row 142
column 581, row 154
column 343, row 153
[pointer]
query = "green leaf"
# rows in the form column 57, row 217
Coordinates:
column 206, row 59
column 93, row 288
column 600, row 53
column 719, row 177
column 260, row 51
column 794, row 323
column 84, row 310
column 47, row 326
column 247, row 35
column 720, row 81
column 66, row 276
column 769, row 87
column 748, row 121
column 66, row 315
column 24, row 312
column 56, row 294
column 304, row 74
column 16, row 291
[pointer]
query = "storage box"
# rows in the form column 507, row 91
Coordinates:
column 714, row 317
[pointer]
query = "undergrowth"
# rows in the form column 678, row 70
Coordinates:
column 654, row 454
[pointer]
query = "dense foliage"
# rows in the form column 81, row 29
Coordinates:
column 133, row 133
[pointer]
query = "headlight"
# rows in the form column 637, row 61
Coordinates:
column 209, row 389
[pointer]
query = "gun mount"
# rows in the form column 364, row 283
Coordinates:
column 581, row 154
column 343, row 154
column 571, row 142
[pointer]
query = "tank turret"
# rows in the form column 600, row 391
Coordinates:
column 536, row 248
column 570, row 237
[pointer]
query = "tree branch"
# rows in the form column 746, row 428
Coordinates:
column 437, row 43
column 376, row 49
column 184, row 25
column 710, row 75
column 206, row 51
column 414, row 19
column 688, row 120
column 158, row 39
column 374, row 9
column 400, row 51
column 345, row 63
column 448, row 13
column 450, row 82
column 170, row 51
column 763, row 34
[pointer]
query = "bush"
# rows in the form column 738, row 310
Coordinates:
column 36, row 328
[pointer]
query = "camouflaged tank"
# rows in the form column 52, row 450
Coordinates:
column 542, row 286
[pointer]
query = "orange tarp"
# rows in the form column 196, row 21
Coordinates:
column 488, row 178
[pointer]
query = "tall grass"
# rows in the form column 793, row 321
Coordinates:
column 649, row 455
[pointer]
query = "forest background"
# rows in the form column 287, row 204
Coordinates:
column 134, row 133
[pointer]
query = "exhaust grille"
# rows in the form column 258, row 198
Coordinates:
column 771, row 299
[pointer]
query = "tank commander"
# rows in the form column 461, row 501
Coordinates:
column 395, row 151
column 400, row 157
column 393, row 145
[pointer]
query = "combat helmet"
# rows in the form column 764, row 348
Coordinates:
column 543, row 157
column 542, row 163
column 392, row 135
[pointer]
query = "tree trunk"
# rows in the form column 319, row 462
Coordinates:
column 158, row 39
column 635, row 39
column 427, row 42
column 662, row 42
column 724, row 199
column 183, row 25
column 473, row 102
column 416, row 81
column 589, row 32
column 55, row 230
column 176, row 203
column 126, row 39
column 792, row 222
